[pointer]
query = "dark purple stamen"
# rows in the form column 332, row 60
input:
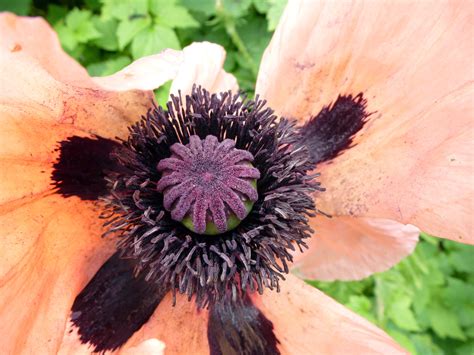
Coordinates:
column 208, row 182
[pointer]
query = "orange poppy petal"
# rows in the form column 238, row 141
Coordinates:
column 307, row 321
column 28, row 90
column 348, row 248
column 148, row 347
column 182, row 328
column 52, row 245
column 413, row 162
column 198, row 63
column 52, row 248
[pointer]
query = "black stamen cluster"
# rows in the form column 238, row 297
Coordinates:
column 251, row 257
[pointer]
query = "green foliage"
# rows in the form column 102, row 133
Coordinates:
column 20, row 7
column 153, row 39
column 426, row 302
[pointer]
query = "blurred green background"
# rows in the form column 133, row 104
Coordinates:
column 426, row 302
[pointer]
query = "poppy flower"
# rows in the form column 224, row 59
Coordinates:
column 60, row 155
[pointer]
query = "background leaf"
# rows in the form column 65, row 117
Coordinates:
column 152, row 40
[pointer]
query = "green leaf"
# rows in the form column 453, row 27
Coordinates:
column 470, row 332
column 85, row 54
column 108, row 33
column 402, row 338
column 274, row 13
column 255, row 36
column 124, row 9
column 128, row 29
column 458, row 293
column 78, row 24
column 174, row 16
column 19, row 7
column 444, row 323
column 262, row 6
column 230, row 62
column 466, row 349
column 162, row 93
column 461, row 257
column 207, row 7
column 362, row 305
column 401, row 314
column 236, row 8
column 56, row 13
column 424, row 345
column 109, row 66
column 66, row 36
column 342, row 291
column 93, row 5
column 153, row 40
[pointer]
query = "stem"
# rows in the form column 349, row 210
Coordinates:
column 231, row 30
column 380, row 307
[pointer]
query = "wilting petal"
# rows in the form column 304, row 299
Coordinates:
column 146, row 73
column 413, row 162
column 207, row 71
column 306, row 321
column 199, row 63
column 51, row 248
column 348, row 248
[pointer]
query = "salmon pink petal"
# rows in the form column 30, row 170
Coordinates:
column 51, row 248
column 413, row 161
column 410, row 174
column 307, row 321
column 198, row 63
column 349, row 248
column 33, row 37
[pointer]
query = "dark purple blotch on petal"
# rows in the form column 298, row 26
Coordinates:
column 332, row 130
column 82, row 166
column 114, row 304
column 238, row 327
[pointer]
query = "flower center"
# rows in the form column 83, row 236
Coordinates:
column 207, row 185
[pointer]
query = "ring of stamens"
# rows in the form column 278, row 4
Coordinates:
column 209, row 186
column 250, row 258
